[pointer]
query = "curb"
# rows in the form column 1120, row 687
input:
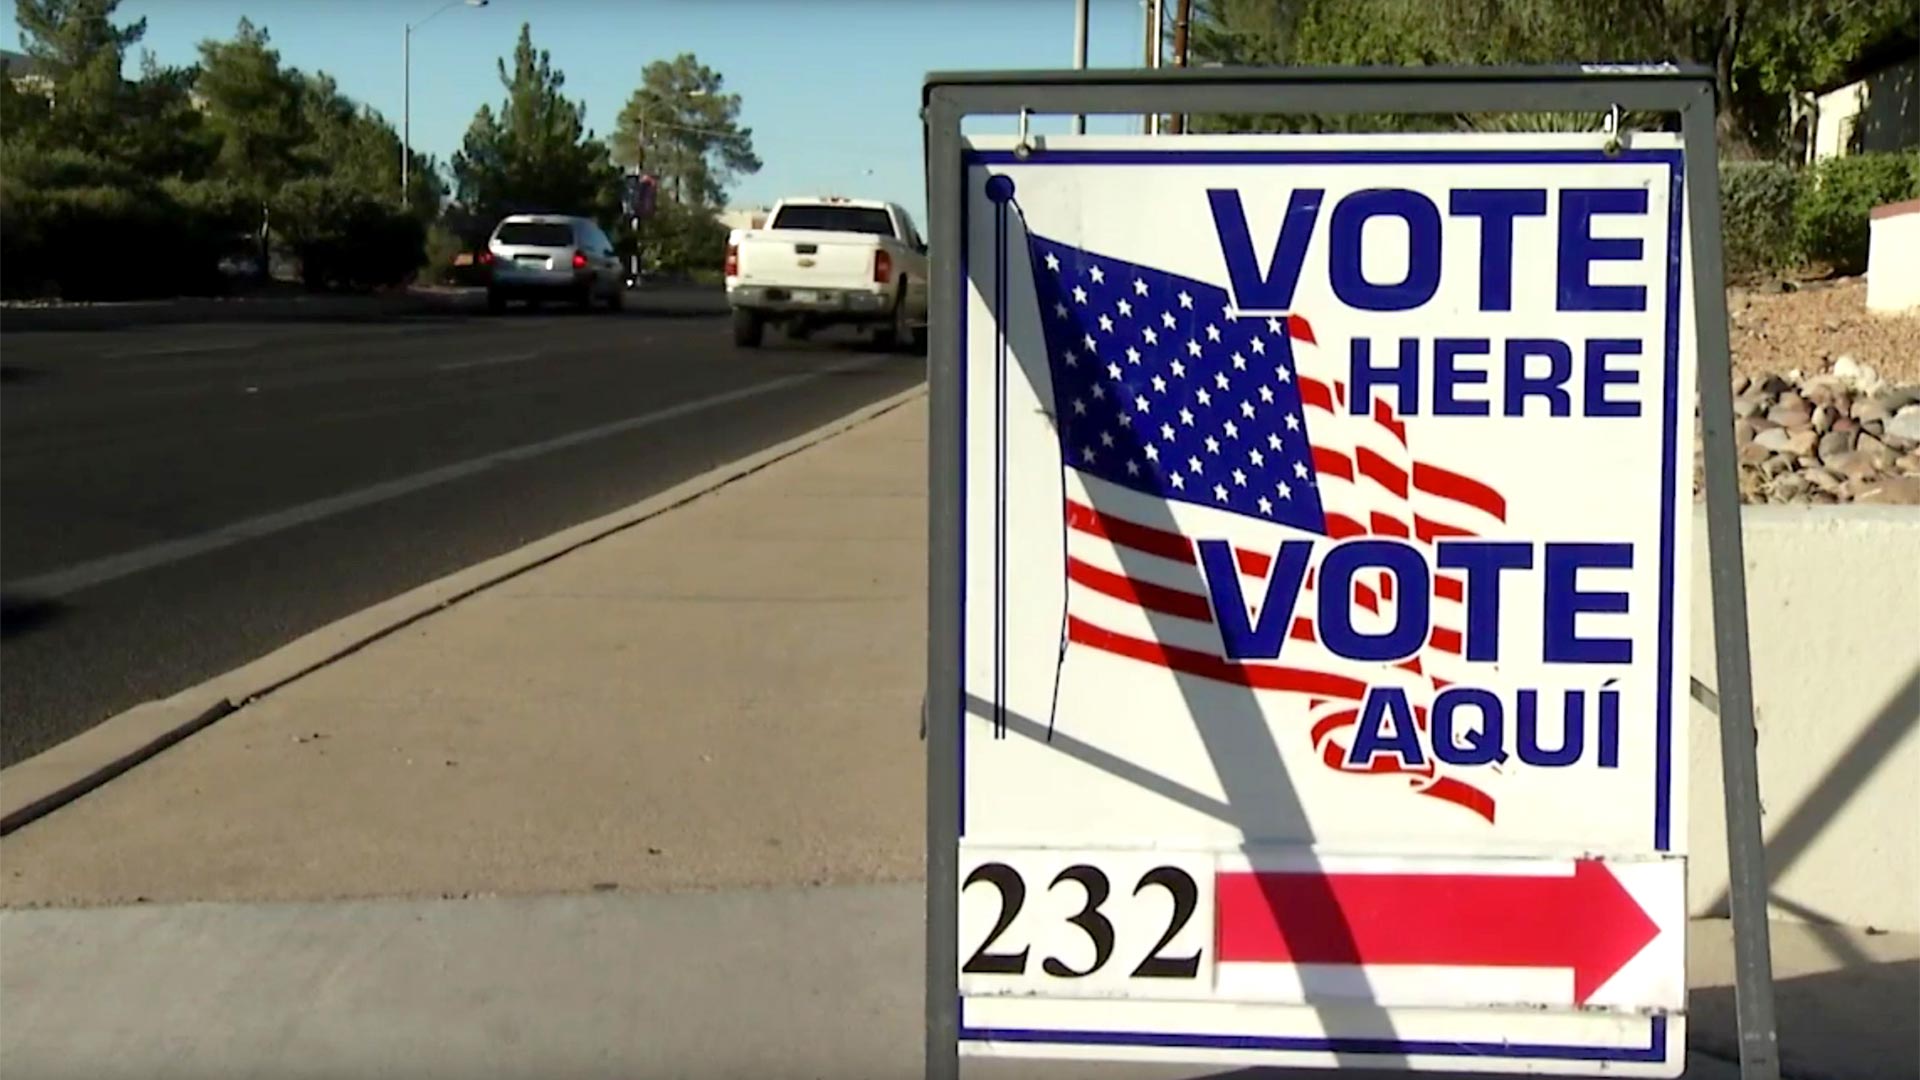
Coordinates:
column 31, row 789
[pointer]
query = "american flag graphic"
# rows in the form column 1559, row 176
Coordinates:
column 1181, row 419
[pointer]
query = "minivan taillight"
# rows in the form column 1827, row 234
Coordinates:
column 579, row 260
column 733, row 260
column 486, row 258
column 882, row 267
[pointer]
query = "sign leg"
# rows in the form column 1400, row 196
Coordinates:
column 1746, row 853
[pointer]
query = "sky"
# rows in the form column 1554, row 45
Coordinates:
column 830, row 88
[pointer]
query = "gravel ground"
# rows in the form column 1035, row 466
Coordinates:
column 1776, row 332
column 1827, row 396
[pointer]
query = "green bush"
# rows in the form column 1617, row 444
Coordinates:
column 678, row 241
column 102, row 243
column 41, row 167
column 344, row 238
column 1832, row 215
column 1757, row 200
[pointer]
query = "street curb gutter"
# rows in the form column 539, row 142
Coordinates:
column 33, row 788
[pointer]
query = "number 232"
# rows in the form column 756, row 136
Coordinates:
column 1013, row 895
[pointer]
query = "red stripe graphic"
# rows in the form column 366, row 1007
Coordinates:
column 1332, row 463
column 1381, row 471
column 1152, row 597
column 1383, row 416
column 1315, row 395
column 1447, row 484
column 1208, row 666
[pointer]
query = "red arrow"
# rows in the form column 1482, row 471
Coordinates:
column 1587, row 922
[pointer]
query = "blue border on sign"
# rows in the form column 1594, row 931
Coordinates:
column 1656, row 1047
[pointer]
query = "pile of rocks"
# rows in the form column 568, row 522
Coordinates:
column 1841, row 436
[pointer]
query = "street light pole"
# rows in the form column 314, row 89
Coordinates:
column 406, row 92
column 406, row 113
column 1080, row 55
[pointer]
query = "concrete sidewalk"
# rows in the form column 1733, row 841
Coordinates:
column 722, row 698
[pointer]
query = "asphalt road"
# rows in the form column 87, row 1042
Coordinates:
column 178, row 500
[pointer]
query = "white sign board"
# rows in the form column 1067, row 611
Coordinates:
column 1324, row 504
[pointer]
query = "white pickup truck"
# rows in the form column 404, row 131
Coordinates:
column 825, row 261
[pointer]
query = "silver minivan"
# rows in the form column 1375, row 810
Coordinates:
column 535, row 257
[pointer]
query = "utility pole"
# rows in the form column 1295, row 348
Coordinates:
column 1080, row 54
column 1182, row 14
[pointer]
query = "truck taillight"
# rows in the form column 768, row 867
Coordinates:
column 882, row 267
column 733, row 260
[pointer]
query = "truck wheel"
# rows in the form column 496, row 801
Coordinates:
column 747, row 328
column 897, row 332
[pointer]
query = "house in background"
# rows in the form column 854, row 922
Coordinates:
column 1873, row 107
column 743, row 217
column 25, row 72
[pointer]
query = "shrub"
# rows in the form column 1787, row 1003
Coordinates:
column 1757, row 200
column 679, row 240
column 345, row 239
column 42, row 167
column 101, row 243
column 1832, row 215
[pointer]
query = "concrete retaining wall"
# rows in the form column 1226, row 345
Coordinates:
column 1834, row 615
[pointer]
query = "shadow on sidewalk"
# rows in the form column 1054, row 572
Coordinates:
column 1858, row 1023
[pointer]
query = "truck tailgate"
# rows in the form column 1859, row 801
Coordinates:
column 804, row 258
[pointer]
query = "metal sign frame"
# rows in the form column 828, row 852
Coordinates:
column 1688, row 91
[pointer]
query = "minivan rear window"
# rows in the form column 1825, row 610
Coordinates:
column 858, row 219
column 535, row 234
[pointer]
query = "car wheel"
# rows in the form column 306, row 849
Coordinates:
column 496, row 301
column 617, row 299
column 747, row 328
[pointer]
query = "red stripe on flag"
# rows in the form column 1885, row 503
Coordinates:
column 1388, row 525
column 1302, row 629
column 1167, row 545
column 1159, row 598
column 1429, row 530
column 1384, row 417
column 1340, row 526
column 1447, row 588
column 1208, row 666
column 1447, row 484
column 1458, row 793
column 1299, row 329
column 1332, row 462
column 1381, row 471
column 1447, row 641
column 1313, row 392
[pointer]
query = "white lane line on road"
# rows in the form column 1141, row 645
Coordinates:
column 113, row 567
column 179, row 350
column 459, row 365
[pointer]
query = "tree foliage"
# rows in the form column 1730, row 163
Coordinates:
column 682, row 126
column 1761, row 51
column 193, row 161
column 535, row 151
